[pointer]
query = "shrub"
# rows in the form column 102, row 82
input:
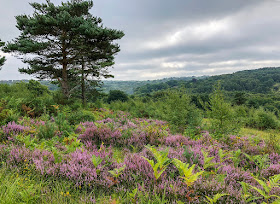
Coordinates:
column 173, row 106
column 176, row 108
column 4, row 113
column 262, row 119
column 37, row 88
column 117, row 95
column 62, row 124
column 266, row 120
column 77, row 117
column 47, row 131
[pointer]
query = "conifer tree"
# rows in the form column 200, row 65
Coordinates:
column 2, row 59
column 95, row 56
column 51, row 40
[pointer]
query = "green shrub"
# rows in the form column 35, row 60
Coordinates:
column 47, row 131
column 4, row 112
column 136, row 107
column 241, row 111
column 266, row 120
column 176, row 108
column 97, row 104
column 75, row 106
column 173, row 106
column 37, row 88
column 15, row 104
column 59, row 97
column 272, row 143
column 117, row 95
column 12, row 116
column 62, row 124
column 262, row 119
column 80, row 116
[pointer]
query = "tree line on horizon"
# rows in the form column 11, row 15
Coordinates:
column 263, row 80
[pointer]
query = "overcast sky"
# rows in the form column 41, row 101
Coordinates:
column 175, row 38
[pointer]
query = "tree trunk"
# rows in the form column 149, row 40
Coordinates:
column 64, row 82
column 83, row 84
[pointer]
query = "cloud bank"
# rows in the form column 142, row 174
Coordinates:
column 176, row 38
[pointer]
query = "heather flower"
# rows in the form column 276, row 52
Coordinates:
column 12, row 129
column 274, row 158
column 120, row 130
column 176, row 140
column 235, row 175
column 272, row 170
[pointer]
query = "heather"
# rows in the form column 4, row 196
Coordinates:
column 157, row 149
column 69, row 135
column 120, row 158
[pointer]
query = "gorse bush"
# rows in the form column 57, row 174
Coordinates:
column 17, row 90
column 37, row 88
column 62, row 124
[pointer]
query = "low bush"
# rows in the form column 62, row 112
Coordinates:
column 77, row 117
column 47, row 131
column 172, row 106
column 262, row 119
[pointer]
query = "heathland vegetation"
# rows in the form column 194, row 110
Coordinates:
column 161, row 148
column 210, row 140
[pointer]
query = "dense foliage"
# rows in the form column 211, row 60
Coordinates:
column 134, row 87
column 264, row 80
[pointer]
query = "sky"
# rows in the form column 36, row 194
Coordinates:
column 174, row 38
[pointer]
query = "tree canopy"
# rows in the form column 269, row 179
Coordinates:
column 264, row 80
column 57, row 42
column 2, row 59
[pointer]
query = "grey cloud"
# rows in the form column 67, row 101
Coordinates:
column 174, row 38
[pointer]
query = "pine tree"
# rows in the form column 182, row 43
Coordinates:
column 51, row 40
column 222, row 117
column 2, row 59
column 96, row 55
